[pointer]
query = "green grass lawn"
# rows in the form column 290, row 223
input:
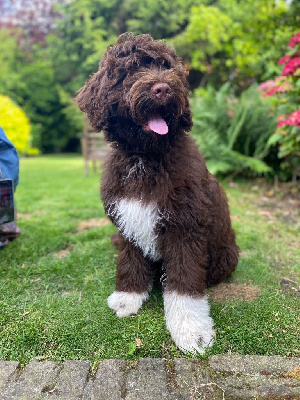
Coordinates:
column 55, row 278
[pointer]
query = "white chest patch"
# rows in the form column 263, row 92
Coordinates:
column 137, row 222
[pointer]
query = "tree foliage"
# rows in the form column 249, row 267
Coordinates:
column 237, row 41
column 30, row 81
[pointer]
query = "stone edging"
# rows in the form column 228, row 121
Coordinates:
column 221, row 377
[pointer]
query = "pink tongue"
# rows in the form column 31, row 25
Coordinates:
column 158, row 125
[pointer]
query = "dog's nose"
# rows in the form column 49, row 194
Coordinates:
column 161, row 90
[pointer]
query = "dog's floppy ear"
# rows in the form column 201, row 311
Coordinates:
column 92, row 99
column 186, row 120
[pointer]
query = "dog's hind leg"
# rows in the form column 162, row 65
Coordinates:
column 133, row 282
column 222, row 263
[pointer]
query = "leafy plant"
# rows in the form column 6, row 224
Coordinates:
column 285, row 92
column 232, row 133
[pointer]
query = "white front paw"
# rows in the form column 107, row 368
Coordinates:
column 188, row 321
column 126, row 303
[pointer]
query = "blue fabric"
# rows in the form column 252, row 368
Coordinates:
column 9, row 159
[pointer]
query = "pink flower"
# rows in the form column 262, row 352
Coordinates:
column 294, row 40
column 280, row 124
column 284, row 60
column 281, row 117
column 285, row 87
column 291, row 67
column 291, row 120
column 272, row 91
column 266, row 85
column 281, row 121
column 230, row 112
column 270, row 87
column 294, row 118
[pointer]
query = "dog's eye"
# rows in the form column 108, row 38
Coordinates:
column 147, row 60
column 166, row 64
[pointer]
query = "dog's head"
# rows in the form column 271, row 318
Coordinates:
column 139, row 96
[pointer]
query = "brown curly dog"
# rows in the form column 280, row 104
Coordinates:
column 169, row 210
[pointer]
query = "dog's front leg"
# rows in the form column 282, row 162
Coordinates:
column 133, row 281
column 187, row 310
column 188, row 321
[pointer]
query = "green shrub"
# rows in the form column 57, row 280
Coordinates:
column 233, row 133
column 16, row 125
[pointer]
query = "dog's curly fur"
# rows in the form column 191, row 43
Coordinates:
column 169, row 210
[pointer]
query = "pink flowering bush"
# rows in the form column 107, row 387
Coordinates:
column 284, row 91
column 295, row 40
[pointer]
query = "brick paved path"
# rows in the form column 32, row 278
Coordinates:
column 221, row 377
